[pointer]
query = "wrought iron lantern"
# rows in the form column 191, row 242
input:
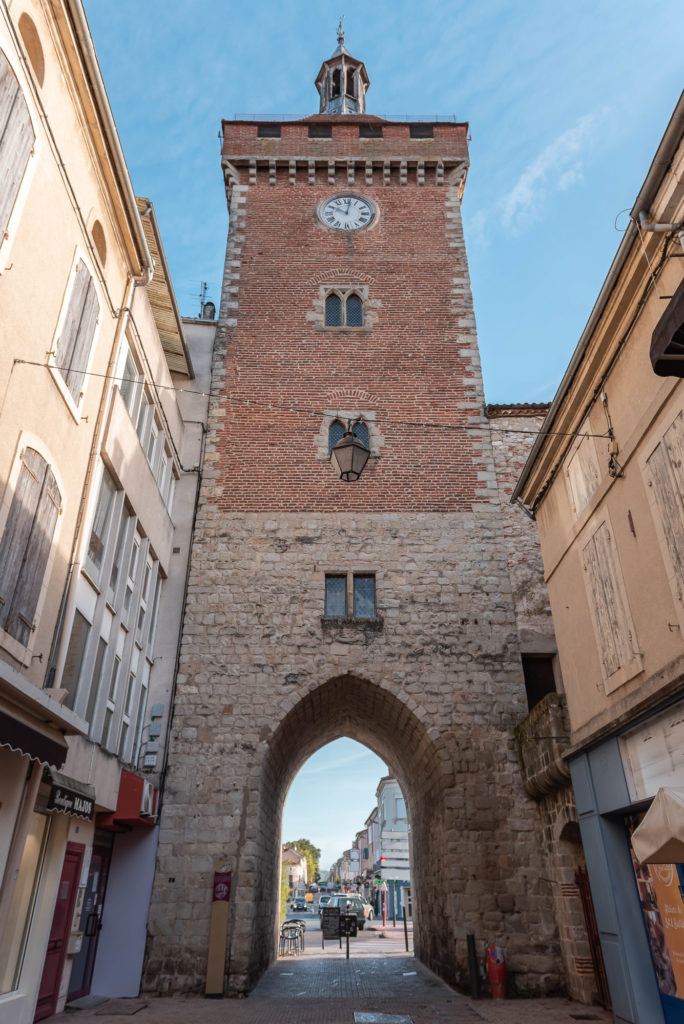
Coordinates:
column 349, row 456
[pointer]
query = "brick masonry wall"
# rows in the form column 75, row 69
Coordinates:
column 433, row 684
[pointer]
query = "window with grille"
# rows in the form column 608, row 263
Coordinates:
column 343, row 309
column 336, row 433
column 350, row 595
column 26, row 543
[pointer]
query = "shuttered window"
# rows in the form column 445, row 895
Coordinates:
column 666, row 469
column 613, row 624
column 16, row 141
column 74, row 343
column 25, row 545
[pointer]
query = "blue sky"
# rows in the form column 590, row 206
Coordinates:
column 332, row 796
column 566, row 103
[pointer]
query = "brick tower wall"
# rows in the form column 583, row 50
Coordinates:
column 433, row 683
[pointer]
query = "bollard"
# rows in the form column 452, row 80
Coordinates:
column 403, row 910
column 473, row 967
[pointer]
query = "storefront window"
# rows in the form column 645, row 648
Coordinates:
column 14, row 939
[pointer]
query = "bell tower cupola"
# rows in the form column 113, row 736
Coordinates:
column 342, row 81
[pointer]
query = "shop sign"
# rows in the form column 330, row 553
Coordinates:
column 653, row 754
column 68, row 801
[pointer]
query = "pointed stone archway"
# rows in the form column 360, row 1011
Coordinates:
column 390, row 726
column 475, row 865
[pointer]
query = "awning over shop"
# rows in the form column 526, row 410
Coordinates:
column 47, row 746
column 70, row 796
column 659, row 839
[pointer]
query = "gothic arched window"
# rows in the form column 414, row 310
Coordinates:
column 360, row 431
column 337, row 429
column 333, row 311
column 336, row 83
column 343, row 309
column 335, row 434
column 354, row 317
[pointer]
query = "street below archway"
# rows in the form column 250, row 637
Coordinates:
column 379, row 984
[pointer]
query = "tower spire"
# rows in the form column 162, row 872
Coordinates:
column 342, row 81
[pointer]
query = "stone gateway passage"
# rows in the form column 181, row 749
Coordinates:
column 381, row 608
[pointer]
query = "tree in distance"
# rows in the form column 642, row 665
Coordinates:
column 313, row 856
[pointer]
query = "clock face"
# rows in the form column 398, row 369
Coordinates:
column 347, row 212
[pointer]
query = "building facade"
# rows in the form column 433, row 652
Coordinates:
column 380, row 609
column 98, row 476
column 604, row 481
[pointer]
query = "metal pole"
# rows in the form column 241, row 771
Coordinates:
column 403, row 911
column 473, row 967
column 394, row 903
column 347, row 942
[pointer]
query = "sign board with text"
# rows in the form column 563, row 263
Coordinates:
column 330, row 922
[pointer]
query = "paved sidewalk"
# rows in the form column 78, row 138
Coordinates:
column 379, row 984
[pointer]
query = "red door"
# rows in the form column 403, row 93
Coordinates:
column 60, row 931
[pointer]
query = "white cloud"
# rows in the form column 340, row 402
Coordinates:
column 555, row 169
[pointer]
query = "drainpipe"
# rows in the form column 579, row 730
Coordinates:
column 646, row 225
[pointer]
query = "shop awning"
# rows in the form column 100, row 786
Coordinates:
column 659, row 839
column 45, row 745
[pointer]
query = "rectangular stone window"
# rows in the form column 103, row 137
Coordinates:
column 350, row 596
column 336, row 596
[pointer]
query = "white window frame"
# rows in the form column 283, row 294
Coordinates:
column 56, row 372
column 7, row 240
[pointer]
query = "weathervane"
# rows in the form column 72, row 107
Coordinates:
column 340, row 33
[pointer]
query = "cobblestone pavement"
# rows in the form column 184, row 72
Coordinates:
column 379, row 984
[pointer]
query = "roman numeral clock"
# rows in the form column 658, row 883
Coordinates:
column 347, row 212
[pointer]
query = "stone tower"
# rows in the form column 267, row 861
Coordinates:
column 379, row 609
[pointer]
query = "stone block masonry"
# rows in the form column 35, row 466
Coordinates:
column 433, row 681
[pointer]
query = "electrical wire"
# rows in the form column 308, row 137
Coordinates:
column 277, row 407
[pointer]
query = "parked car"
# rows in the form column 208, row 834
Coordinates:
column 350, row 903
column 368, row 911
column 323, row 902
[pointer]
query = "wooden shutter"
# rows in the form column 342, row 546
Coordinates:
column 16, row 141
column 32, row 573
column 666, row 466
column 73, row 346
column 17, row 532
column 25, row 545
column 614, row 630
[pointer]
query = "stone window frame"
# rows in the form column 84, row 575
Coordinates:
column 376, row 439
column 350, row 576
column 344, row 296
column 368, row 306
